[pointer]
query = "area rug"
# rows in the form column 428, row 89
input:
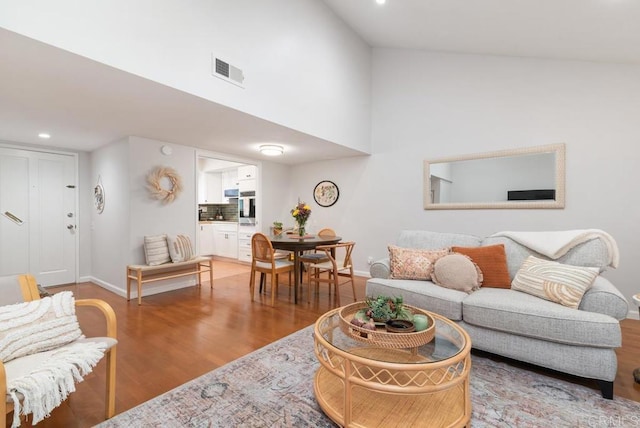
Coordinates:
column 273, row 387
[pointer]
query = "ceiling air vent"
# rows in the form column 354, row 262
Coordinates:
column 225, row 71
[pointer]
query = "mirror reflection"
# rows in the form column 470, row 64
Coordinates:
column 523, row 178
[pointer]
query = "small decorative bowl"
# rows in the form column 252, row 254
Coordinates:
column 400, row 326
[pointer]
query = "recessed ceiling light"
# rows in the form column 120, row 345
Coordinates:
column 271, row 150
column 44, row 135
column 381, row 1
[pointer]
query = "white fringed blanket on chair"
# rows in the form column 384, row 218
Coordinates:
column 50, row 326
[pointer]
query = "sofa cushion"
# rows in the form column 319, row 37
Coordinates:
column 492, row 261
column 584, row 361
column 512, row 311
column 422, row 294
column 557, row 282
column 458, row 272
column 413, row 263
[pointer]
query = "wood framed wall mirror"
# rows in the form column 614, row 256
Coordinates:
column 532, row 177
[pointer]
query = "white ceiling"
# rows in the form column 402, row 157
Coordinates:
column 85, row 104
column 591, row 30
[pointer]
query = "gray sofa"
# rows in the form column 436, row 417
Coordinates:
column 518, row 325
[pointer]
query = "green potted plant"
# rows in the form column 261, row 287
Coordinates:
column 385, row 308
column 277, row 227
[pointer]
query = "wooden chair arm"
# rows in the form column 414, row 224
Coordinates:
column 107, row 310
column 4, row 406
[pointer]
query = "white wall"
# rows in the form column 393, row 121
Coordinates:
column 275, row 195
column 440, row 105
column 130, row 213
column 110, row 230
column 304, row 68
column 85, row 207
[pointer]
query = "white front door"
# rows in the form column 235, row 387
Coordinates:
column 38, row 215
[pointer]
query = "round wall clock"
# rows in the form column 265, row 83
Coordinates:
column 326, row 193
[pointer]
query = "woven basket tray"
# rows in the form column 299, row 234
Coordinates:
column 381, row 337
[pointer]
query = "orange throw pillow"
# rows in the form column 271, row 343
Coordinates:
column 492, row 261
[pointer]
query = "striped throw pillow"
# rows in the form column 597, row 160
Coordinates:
column 180, row 248
column 553, row 281
column 156, row 250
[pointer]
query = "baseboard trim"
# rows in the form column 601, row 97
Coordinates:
column 147, row 289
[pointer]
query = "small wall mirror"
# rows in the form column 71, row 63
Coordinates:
column 523, row 178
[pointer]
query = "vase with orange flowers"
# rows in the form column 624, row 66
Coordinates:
column 301, row 214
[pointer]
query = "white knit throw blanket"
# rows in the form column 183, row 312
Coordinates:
column 46, row 325
column 555, row 244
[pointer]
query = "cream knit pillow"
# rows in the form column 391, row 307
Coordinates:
column 37, row 326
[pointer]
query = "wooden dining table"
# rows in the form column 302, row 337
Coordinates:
column 298, row 245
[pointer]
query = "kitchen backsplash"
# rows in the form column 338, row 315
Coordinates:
column 229, row 211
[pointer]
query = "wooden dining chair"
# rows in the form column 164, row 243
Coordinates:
column 327, row 231
column 263, row 260
column 337, row 265
column 315, row 256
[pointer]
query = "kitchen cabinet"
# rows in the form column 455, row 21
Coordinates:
column 244, row 243
column 247, row 178
column 210, row 188
column 247, row 172
column 225, row 239
column 229, row 180
column 206, row 245
column 247, row 186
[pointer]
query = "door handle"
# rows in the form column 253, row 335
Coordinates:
column 13, row 218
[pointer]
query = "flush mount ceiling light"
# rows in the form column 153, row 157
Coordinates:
column 44, row 135
column 271, row 150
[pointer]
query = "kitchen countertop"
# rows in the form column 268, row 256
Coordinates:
column 216, row 221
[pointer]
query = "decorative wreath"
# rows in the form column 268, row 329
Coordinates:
column 155, row 187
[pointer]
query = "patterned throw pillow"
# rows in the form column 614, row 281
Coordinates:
column 413, row 263
column 492, row 261
column 458, row 272
column 557, row 282
column 156, row 250
column 180, row 248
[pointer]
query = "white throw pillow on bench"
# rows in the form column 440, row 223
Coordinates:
column 180, row 248
column 156, row 250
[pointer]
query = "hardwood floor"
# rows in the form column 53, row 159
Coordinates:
column 177, row 336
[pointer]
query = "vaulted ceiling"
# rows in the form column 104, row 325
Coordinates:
column 83, row 98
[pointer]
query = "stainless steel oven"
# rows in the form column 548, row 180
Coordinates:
column 247, row 205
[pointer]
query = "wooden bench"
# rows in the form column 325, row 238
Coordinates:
column 145, row 273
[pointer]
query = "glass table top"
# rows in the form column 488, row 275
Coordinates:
column 449, row 340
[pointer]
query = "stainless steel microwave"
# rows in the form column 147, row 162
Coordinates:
column 231, row 193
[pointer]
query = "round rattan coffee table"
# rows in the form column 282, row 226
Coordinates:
column 371, row 384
